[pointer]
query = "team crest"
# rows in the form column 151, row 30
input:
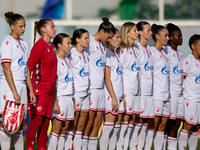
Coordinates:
column 141, row 111
column 77, row 104
column 39, row 108
column 90, row 103
column 12, row 117
column 130, row 108
column 62, row 114
column 157, row 109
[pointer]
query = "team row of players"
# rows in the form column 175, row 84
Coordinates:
column 105, row 72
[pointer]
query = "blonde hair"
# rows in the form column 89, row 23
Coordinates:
column 125, row 29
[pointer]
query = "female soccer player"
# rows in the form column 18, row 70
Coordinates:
column 42, row 63
column 13, row 78
column 130, row 62
column 146, row 75
column 191, row 92
column 63, row 110
column 80, row 68
column 176, row 83
column 161, row 89
column 97, row 56
column 113, row 94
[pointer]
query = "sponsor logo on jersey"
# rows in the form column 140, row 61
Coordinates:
column 99, row 63
column 164, row 71
column 119, row 72
column 146, row 67
column 197, row 79
column 82, row 73
column 21, row 62
column 176, row 71
column 134, row 68
column 68, row 79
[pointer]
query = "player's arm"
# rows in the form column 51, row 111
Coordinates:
column 9, row 78
column 30, row 87
column 56, row 107
column 115, row 105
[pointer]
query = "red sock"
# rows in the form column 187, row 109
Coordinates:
column 34, row 125
column 42, row 137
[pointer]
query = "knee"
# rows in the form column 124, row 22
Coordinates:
column 162, row 127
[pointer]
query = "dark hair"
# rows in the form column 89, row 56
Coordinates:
column 140, row 25
column 12, row 18
column 171, row 28
column 59, row 38
column 193, row 40
column 107, row 26
column 78, row 34
column 38, row 25
column 155, row 30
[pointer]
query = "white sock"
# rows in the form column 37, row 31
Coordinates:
column 92, row 144
column 18, row 140
column 141, row 136
column 192, row 140
column 134, row 135
column 85, row 142
column 127, row 136
column 172, row 143
column 148, row 139
column 114, row 137
column 61, row 142
column 182, row 140
column 77, row 140
column 5, row 139
column 106, row 130
column 52, row 141
column 68, row 140
column 120, row 141
column 158, row 140
column 164, row 142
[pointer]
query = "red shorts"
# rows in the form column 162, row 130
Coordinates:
column 43, row 106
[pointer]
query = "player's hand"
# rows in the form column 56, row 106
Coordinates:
column 125, row 103
column 115, row 105
column 17, row 98
column 32, row 98
column 56, row 108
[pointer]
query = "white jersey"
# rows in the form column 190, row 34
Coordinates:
column 15, row 52
column 97, row 55
column 65, row 79
column 176, row 71
column 130, row 61
column 113, row 62
column 146, row 72
column 80, row 69
column 161, row 75
column 191, row 83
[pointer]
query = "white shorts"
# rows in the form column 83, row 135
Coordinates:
column 66, row 109
column 192, row 109
column 132, row 104
column 7, row 94
column 147, row 109
column 162, row 108
column 82, row 103
column 97, row 100
column 109, row 106
column 177, row 107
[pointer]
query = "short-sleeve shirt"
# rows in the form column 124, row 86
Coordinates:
column 65, row 79
column 161, row 75
column 116, row 78
column 15, row 52
column 97, row 56
column 81, row 73
column 130, row 62
column 176, row 71
column 146, row 71
column 42, row 64
column 191, row 83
